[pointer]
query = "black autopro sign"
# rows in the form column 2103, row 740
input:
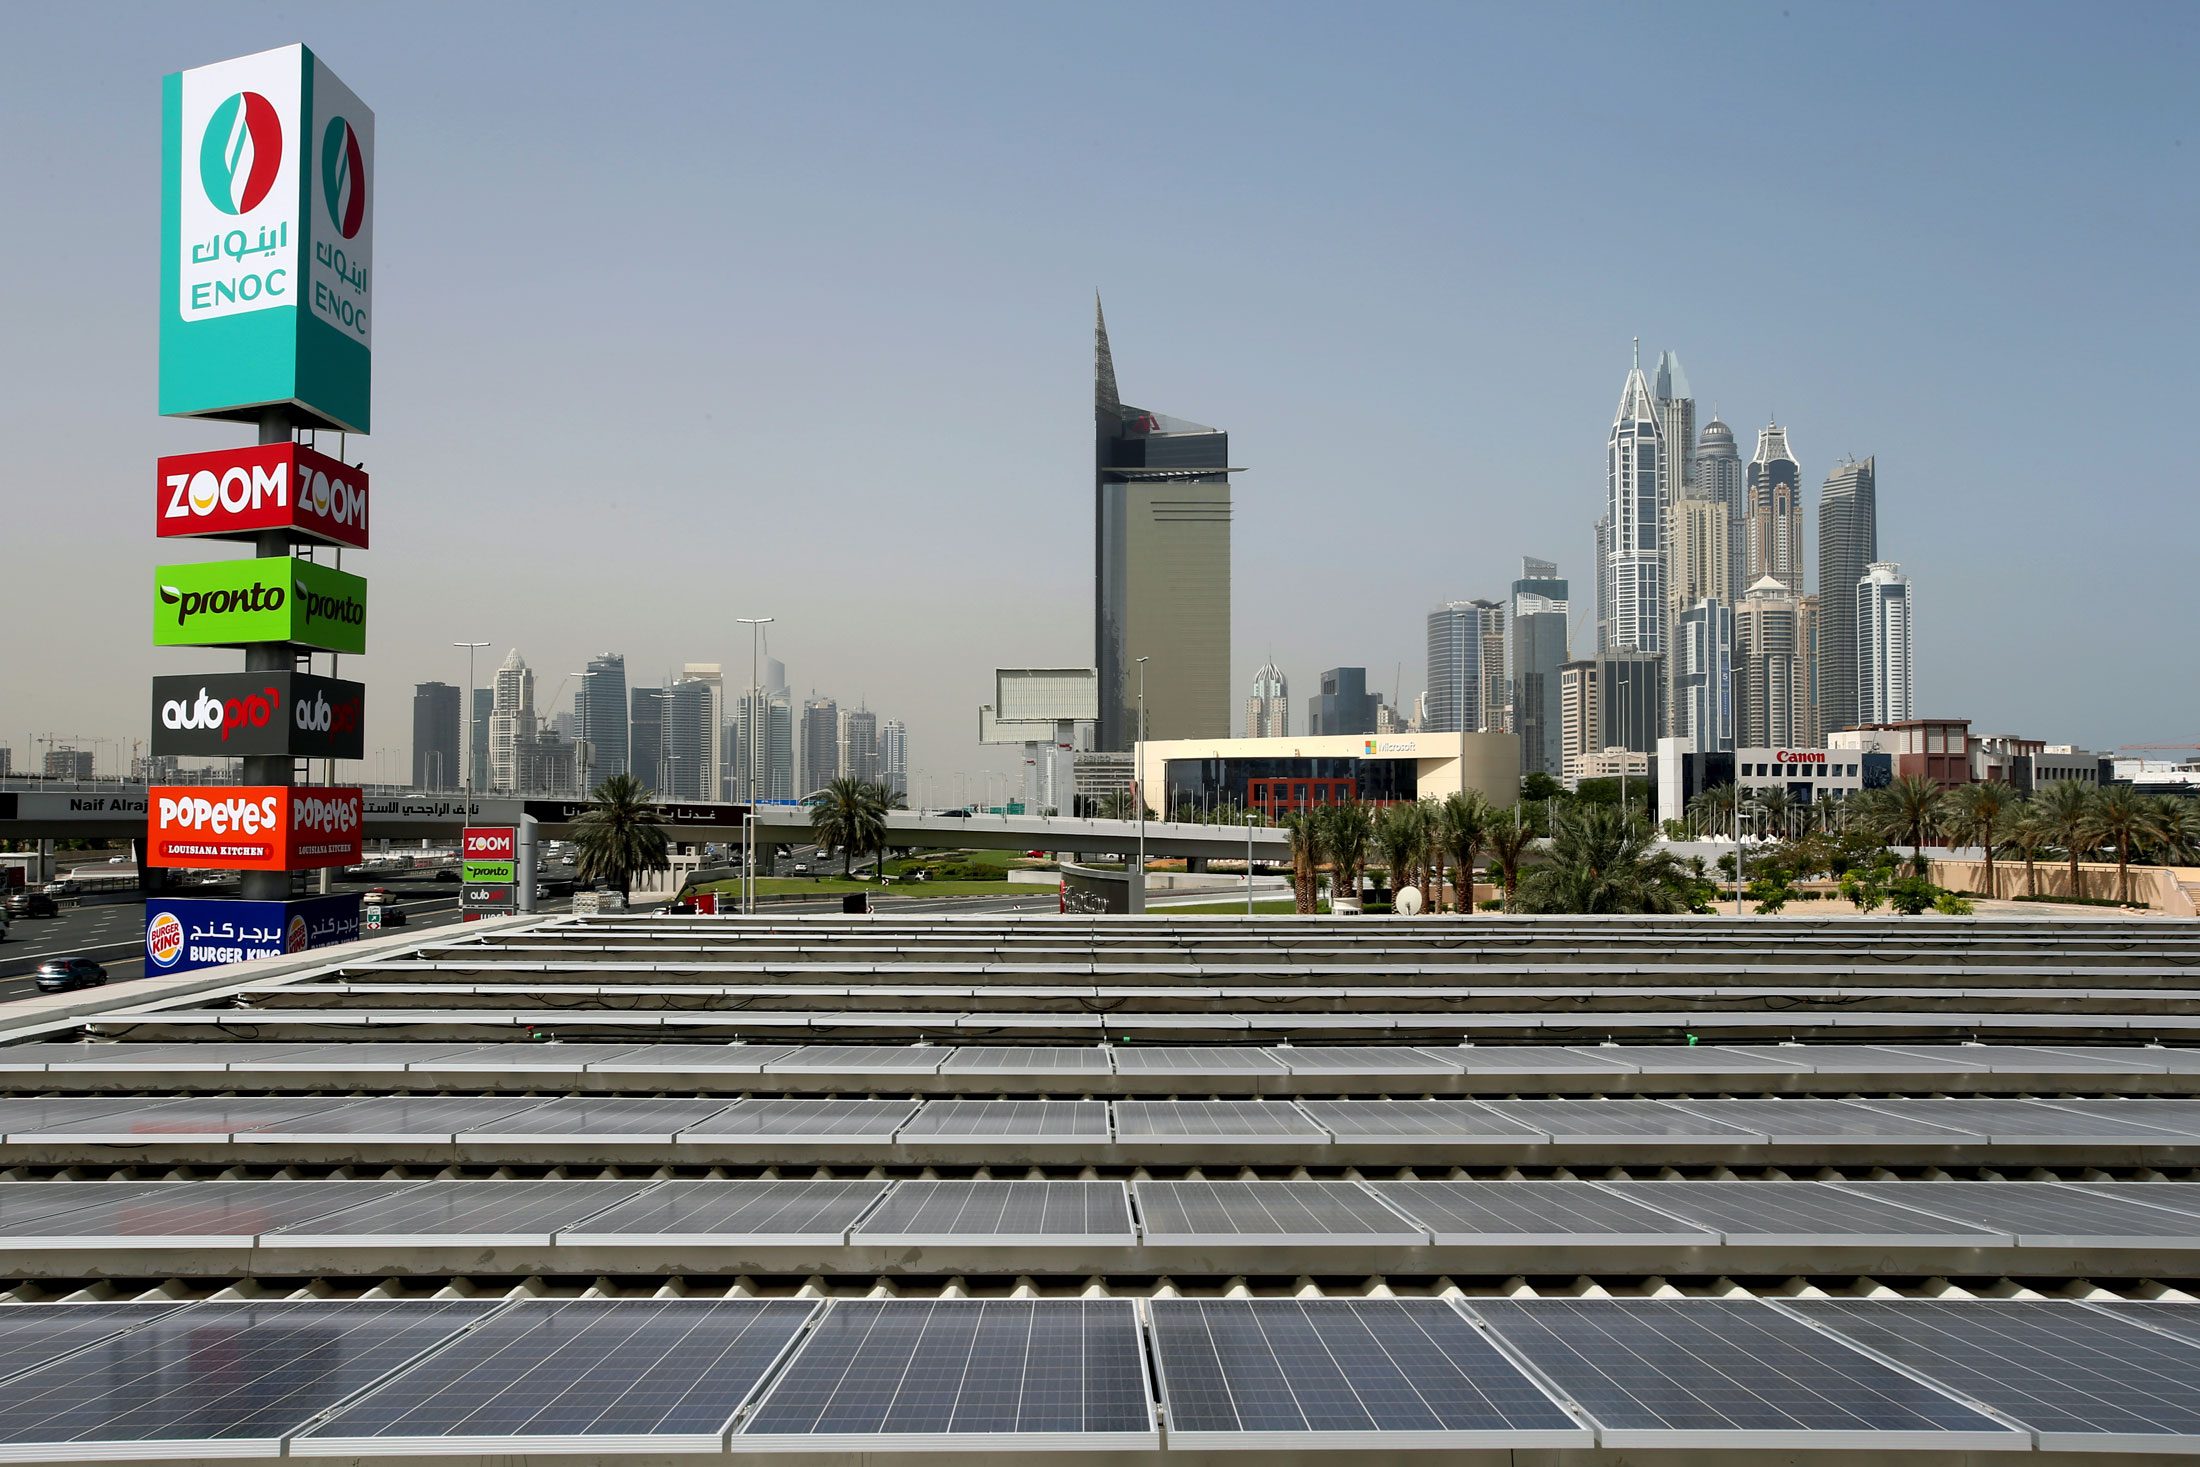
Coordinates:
column 235, row 714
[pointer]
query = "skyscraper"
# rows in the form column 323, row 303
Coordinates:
column 1603, row 564
column 1539, row 649
column 601, row 717
column 820, row 744
column 511, row 718
column 435, row 737
column 1677, row 422
column 477, row 734
column 1719, row 476
column 1886, row 682
column 1703, row 650
column 694, row 737
column 1699, row 565
column 1459, row 639
column 1635, row 500
column 859, row 750
column 1615, row 700
column 1775, row 513
column 1848, row 543
column 1268, row 710
column 645, row 736
column 1161, row 566
column 893, row 738
column 760, row 750
column 1772, row 693
column 1344, row 705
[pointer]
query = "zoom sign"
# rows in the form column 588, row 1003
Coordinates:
column 237, row 493
column 233, row 603
column 245, row 714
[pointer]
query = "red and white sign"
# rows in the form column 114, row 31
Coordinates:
column 235, row 493
column 489, row 843
column 252, row 827
column 1799, row 756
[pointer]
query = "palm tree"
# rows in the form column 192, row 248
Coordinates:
column 2179, row 819
column 2067, row 807
column 1774, row 805
column 1712, row 811
column 1351, row 830
column 2028, row 831
column 2121, row 817
column 1908, row 813
column 851, row 814
column 621, row 834
column 1509, row 840
column 1401, row 840
column 1980, row 815
column 1309, row 847
column 1463, row 827
column 1602, row 861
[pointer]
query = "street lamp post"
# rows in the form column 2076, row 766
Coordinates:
column 1138, row 786
column 468, row 717
column 755, row 717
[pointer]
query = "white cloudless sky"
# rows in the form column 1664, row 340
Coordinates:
column 696, row 312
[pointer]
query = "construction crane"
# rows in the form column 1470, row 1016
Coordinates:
column 2121, row 747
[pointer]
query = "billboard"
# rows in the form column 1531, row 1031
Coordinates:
column 242, row 714
column 233, row 603
column 267, row 241
column 235, row 493
column 489, row 855
column 183, row 933
column 252, row 827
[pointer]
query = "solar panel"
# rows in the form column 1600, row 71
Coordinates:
column 1854, row 1059
column 2172, row 1317
column 2023, row 1122
column 21, row 1058
column 32, row 1334
column 218, row 1379
column 1728, row 1373
column 1037, row 1120
column 2017, row 1059
column 710, row 1213
column 1425, row 1122
column 965, row 1374
column 2149, row 1057
column 1705, row 1059
column 147, row 1122
column 1164, row 1059
column 1527, row 1214
column 803, row 1120
column 176, row 1057
column 189, row 1214
column 860, row 1059
column 2181, row 1116
column 2081, row 1378
column 662, row 1375
column 1538, row 1059
column 2042, row 1214
column 484, row 1214
column 1018, row 1059
column 727, row 1058
column 37, row 1116
column 2176, row 1196
column 23, row 1203
column 1803, row 1215
column 404, row 1118
column 1344, row 1373
column 352, row 1056
column 602, row 1120
column 1365, row 1059
column 1032, row 1213
column 1178, row 1121
column 1820, row 1122
column 513, row 1057
column 1187, row 1214
column 1619, row 1122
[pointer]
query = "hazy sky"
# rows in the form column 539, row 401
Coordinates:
column 694, row 313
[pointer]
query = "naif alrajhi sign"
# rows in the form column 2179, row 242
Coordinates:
column 267, row 242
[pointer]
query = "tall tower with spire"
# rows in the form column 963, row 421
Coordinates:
column 1719, row 476
column 1161, row 566
column 1635, row 504
column 1775, row 509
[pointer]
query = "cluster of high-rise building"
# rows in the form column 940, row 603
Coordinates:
column 688, row 738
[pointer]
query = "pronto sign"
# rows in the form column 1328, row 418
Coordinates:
column 489, row 855
column 238, row 715
column 252, row 827
column 236, row 493
column 233, row 603
column 267, row 241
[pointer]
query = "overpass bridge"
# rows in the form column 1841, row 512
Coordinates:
column 116, row 811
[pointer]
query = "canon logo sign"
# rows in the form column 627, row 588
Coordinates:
column 234, row 493
column 1799, row 756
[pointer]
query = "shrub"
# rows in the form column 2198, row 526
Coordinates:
column 1912, row 895
column 1771, row 893
column 1865, row 891
column 1494, row 904
column 1949, row 904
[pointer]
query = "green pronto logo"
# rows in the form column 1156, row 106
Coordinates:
column 232, row 603
column 240, row 153
column 221, row 600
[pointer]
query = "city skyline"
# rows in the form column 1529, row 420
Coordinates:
column 1325, row 344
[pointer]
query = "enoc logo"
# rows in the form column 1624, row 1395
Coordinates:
column 241, row 153
column 343, row 177
column 295, row 936
column 164, row 939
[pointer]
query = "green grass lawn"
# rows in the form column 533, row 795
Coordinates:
column 1282, row 908
column 834, row 886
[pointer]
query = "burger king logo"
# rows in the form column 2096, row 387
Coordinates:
column 164, row 939
column 295, row 939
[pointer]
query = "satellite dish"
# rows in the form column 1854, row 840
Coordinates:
column 1407, row 903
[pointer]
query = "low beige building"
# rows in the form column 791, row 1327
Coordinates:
column 1278, row 775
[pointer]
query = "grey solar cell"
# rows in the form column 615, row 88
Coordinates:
column 145, row 1122
column 214, row 1056
column 1162, row 1059
column 23, row 1203
column 32, row 1334
column 1529, row 1213
column 599, row 1375
column 603, row 1120
column 1034, row 1213
column 1365, row 1059
column 1018, row 1059
column 22, row 1058
column 459, row 1214
column 1729, row 1373
column 515, row 1057
column 817, row 1120
column 1795, row 1122
column 2174, row 1317
column 1855, row 1059
column 2176, row 1196
column 1802, row 1214
column 711, row 1213
column 2180, row 1116
column 963, row 1373
column 29, row 1116
column 1192, row 1214
column 2017, row 1059
column 860, row 1059
column 352, row 1056
column 409, row 1118
column 1538, row 1059
column 2083, row 1380
column 2024, row 1122
column 1428, row 1122
column 1702, row 1059
column 1619, row 1122
column 1036, row 1120
column 726, row 1058
column 189, row 1214
column 1162, row 1122
column 218, row 1379
column 1344, row 1373
column 2043, row 1214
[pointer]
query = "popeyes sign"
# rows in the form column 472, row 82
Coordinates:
column 236, row 493
column 252, row 827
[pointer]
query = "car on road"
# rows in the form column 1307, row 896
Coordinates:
column 59, row 975
column 392, row 916
column 447, row 874
column 63, row 887
column 953, row 814
column 375, row 896
column 31, row 904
